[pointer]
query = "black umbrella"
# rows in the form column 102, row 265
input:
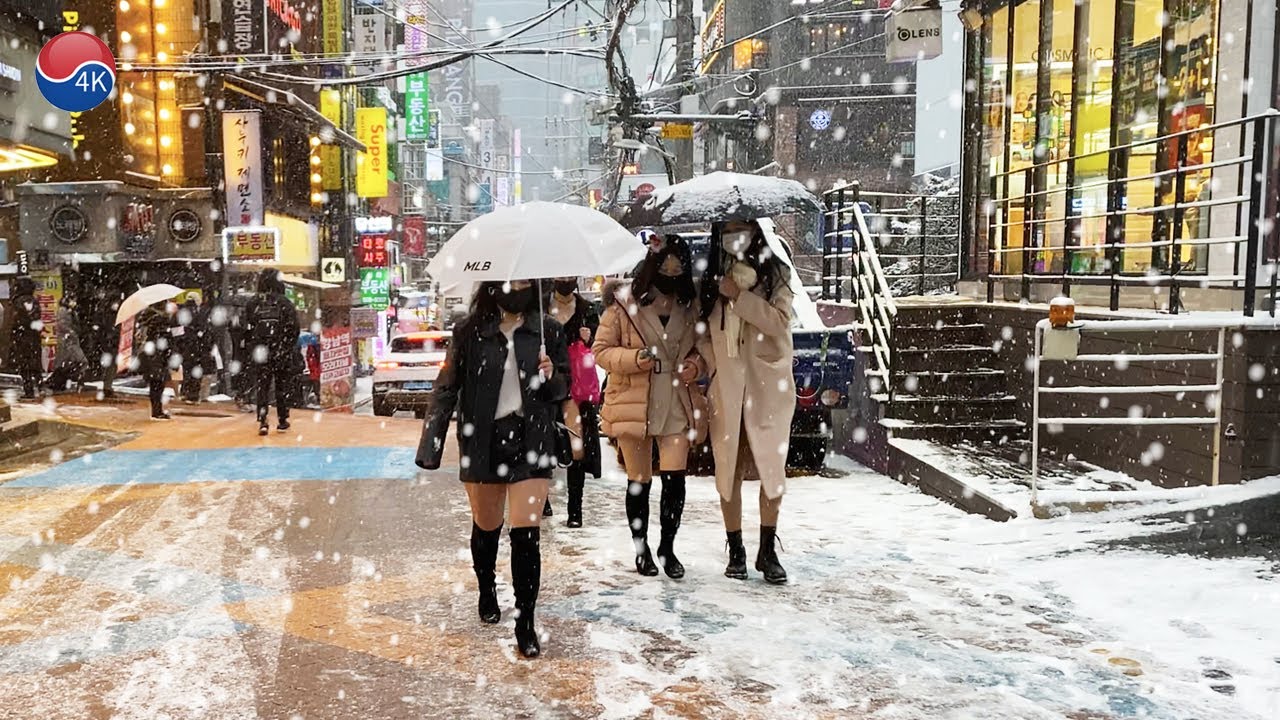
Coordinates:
column 720, row 197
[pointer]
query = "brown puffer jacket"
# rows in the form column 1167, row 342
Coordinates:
column 617, row 347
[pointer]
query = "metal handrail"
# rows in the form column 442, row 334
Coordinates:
column 873, row 296
column 1213, row 392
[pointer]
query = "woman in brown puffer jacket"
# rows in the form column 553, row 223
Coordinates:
column 646, row 344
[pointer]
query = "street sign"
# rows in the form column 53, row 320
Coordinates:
column 375, row 287
column 372, row 251
column 333, row 270
column 677, row 131
column 250, row 244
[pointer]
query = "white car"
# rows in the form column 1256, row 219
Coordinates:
column 406, row 377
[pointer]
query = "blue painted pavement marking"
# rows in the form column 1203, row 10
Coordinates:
column 117, row 467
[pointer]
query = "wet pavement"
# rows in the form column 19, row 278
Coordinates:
column 199, row 571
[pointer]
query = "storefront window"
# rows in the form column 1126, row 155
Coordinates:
column 1137, row 97
column 1191, row 100
column 1022, row 126
column 1093, row 135
column 1056, row 137
column 994, row 91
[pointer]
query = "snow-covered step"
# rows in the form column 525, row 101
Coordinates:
column 977, row 431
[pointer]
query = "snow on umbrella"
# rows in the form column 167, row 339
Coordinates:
column 534, row 241
column 721, row 197
column 149, row 295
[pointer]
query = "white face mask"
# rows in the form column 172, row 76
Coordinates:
column 736, row 243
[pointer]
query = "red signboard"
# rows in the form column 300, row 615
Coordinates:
column 644, row 190
column 415, row 236
column 372, row 251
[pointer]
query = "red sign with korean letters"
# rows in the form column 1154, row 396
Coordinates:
column 372, row 251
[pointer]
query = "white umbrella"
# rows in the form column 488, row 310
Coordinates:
column 534, row 241
column 149, row 295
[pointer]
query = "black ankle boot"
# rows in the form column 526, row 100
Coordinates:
column 638, row 519
column 526, row 577
column 737, row 567
column 577, row 478
column 484, row 556
column 767, row 557
column 670, row 510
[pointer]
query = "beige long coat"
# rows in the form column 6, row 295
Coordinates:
column 627, row 411
column 755, row 390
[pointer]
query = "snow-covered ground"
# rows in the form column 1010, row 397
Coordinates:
column 902, row 607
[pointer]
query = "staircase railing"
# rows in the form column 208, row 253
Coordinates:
column 861, row 283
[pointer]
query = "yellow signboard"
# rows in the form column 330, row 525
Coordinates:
column 331, row 155
column 677, row 131
column 371, row 165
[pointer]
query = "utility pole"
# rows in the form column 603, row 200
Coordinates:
column 684, row 68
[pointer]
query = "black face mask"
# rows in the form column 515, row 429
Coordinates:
column 566, row 287
column 666, row 284
column 516, row 301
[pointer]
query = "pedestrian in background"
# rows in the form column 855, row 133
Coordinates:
column 508, row 396
column 69, row 361
column 195, row 344
column 646, row 343
column 106, row 332
column 746, row 306
column 580, row 320
column 154, row 342
column 24, row 337
column 271, row 336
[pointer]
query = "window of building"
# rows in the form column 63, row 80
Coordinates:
column 752, row 53
column 153, row 34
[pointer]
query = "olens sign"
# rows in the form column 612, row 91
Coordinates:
column 913, row 35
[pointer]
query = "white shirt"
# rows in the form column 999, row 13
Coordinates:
column 510, row 399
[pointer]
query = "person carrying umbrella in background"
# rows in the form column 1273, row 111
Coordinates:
column 746, row 305
column 646, row 343
column 195, row 344
column 24, row 337
column 580, row 320
column 507, row 392
column 271, row 336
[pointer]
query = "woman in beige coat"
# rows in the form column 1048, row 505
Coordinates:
column 746, row 305
column 646, row 344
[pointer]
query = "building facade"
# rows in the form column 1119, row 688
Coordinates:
column 1106, row 147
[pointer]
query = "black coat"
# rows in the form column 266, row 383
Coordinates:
column 24, row 354
column 156, row 344
column 584, row 315
column 470, row 383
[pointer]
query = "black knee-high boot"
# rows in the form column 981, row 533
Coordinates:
column 638, row 518
column 526, row 576
column 670, row 510
column 484, row 557
column 577, row 477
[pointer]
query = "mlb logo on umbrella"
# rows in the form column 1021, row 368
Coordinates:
column 75, row 71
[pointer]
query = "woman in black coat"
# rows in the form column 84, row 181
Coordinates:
column 580, row 319
column 24, row 347
column 507, row 394
column 155, row 348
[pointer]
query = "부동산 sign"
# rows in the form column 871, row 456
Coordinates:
column 375, row 287
column 417, row 117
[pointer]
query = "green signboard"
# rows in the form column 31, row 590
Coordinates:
column 416, row 107
column 375, row 287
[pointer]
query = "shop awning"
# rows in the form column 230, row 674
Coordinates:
column 307, row 282
column 268, row 94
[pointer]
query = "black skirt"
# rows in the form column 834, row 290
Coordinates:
column 510, row 456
